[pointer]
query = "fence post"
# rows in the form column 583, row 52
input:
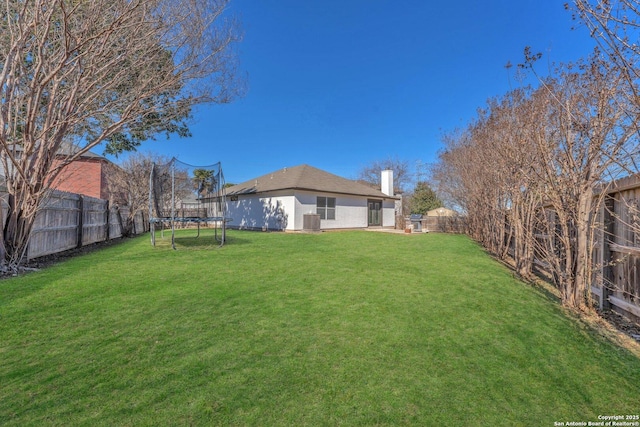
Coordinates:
column 607, row 256
column 80, row 220
column 107, row 214
column 120, row 223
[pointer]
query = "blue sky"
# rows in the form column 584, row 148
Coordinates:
column 339, row 84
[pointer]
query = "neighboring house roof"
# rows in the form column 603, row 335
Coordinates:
column 305, row 177
column 66, row 149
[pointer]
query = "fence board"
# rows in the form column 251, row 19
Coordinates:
column 115, row 214
column 439, row 224
column 57, row 224
column 615, row 279
column 55, row 228
column 624, row 246
column 94, row 225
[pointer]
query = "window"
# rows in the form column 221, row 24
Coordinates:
column 326, row 207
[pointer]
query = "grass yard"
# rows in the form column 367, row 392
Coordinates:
column 349, row 328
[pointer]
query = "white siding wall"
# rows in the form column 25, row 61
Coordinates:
column 305, row 204
column 351, row 211
column 281, row 211
column 388, row 213
column 270, row 213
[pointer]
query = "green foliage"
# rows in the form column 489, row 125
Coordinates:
column 172, row 120
column 299, row 329
column 204, row 181
column 424, row 199
column 202, row 174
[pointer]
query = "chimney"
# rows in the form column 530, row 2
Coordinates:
column 387, row 182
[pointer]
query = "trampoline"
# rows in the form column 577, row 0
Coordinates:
column 186, row 195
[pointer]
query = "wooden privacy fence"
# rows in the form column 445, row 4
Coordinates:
column 67, row 221
column 615, row 247
column 438, row 224
column 616, row 250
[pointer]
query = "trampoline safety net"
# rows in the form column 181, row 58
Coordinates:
column 180, row 193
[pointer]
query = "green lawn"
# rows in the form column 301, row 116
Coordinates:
column 350, row 328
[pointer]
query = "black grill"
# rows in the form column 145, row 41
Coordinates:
column 416, row 221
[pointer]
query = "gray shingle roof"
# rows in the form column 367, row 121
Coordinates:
column 305, row 177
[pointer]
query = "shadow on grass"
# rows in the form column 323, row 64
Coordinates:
column 207, row 240
column 543, row 284
column 539, row 281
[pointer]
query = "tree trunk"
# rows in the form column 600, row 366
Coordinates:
column 583, row 253
column 17, row 230
column 3, row 250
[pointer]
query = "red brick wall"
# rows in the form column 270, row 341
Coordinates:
column 84, row 177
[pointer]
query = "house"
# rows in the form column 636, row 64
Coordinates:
column 441, row 212
column 87, row 175
column 280, row 201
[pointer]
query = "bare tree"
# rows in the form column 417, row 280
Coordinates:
column 514, row 120
column 128, row 185
column 463, row 175
column 83, row 73
column 528, row 168
column 401, row 172
column 590, row 131
column 614, row 24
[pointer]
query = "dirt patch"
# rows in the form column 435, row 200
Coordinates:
column 622, row 324
column 612, row 326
